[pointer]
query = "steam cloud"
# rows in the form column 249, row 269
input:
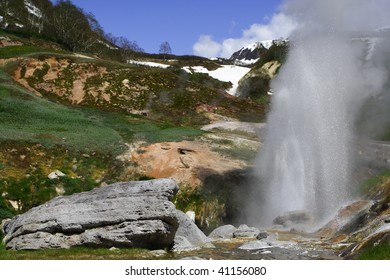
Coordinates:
column 334, row 65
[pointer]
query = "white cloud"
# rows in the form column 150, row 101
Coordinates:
column 279, row 26
column 207, row 47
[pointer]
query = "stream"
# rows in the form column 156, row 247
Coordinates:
column 278, row 246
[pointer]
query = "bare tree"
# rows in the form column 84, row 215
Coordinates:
column 165, row 48
column 126, row 47
column 72, row 26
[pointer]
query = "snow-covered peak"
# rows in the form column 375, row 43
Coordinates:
column 250, row 54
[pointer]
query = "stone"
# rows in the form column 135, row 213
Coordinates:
column 255, row 245
column 292, row 218
column 223, row 232
column 194, row 258
column 244, row 231
column 188, row 235
column 262, row 235
column 55, row 174
column 127, row 214
column 158, row 253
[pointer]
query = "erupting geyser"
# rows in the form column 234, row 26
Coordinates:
column 305, row 163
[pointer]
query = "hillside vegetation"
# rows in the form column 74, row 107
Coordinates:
column 76, row 113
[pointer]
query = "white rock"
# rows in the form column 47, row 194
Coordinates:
column 55, row 174
column 191, row 215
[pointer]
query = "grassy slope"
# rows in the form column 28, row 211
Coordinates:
column 39, row 136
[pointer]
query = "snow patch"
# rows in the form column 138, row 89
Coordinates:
column 148, row 63
column 226, row 73
column 1, row 18
column 32, row 9
column 108, row 45
column 244, row 62
column 19, row 25
column 82, row 56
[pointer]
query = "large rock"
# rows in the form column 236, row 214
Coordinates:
column 128, row 214
column 188, row 235
column 293, row 218
column 244, row 231
column 223, row 232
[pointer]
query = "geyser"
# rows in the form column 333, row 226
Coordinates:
column 305, row 163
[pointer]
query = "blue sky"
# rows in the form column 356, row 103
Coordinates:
column 183, row 23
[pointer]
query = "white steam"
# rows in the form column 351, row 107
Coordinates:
column 306, row 161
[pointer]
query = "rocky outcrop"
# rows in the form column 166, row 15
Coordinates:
column 348, row 219
column 188, row 235
column 129, row 214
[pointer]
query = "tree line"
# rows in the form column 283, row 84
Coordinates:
column 68, row 25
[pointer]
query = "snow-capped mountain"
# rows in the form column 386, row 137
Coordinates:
column 250, row 54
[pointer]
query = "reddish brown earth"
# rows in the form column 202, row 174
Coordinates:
column 187, row 162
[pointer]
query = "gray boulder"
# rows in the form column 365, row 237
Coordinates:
column 188, row 235
column 128, row 214
column 262, row 235
column 223, row 232
column 244, row 231
column 293, row 218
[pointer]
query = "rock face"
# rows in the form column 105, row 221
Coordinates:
column 188, row 235
column 129, row 214
column 348, row 219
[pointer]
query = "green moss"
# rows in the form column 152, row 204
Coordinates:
column 379, row 252
column 35, row 189
column 208, row 206
column 79, row 253
column 373, row 181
